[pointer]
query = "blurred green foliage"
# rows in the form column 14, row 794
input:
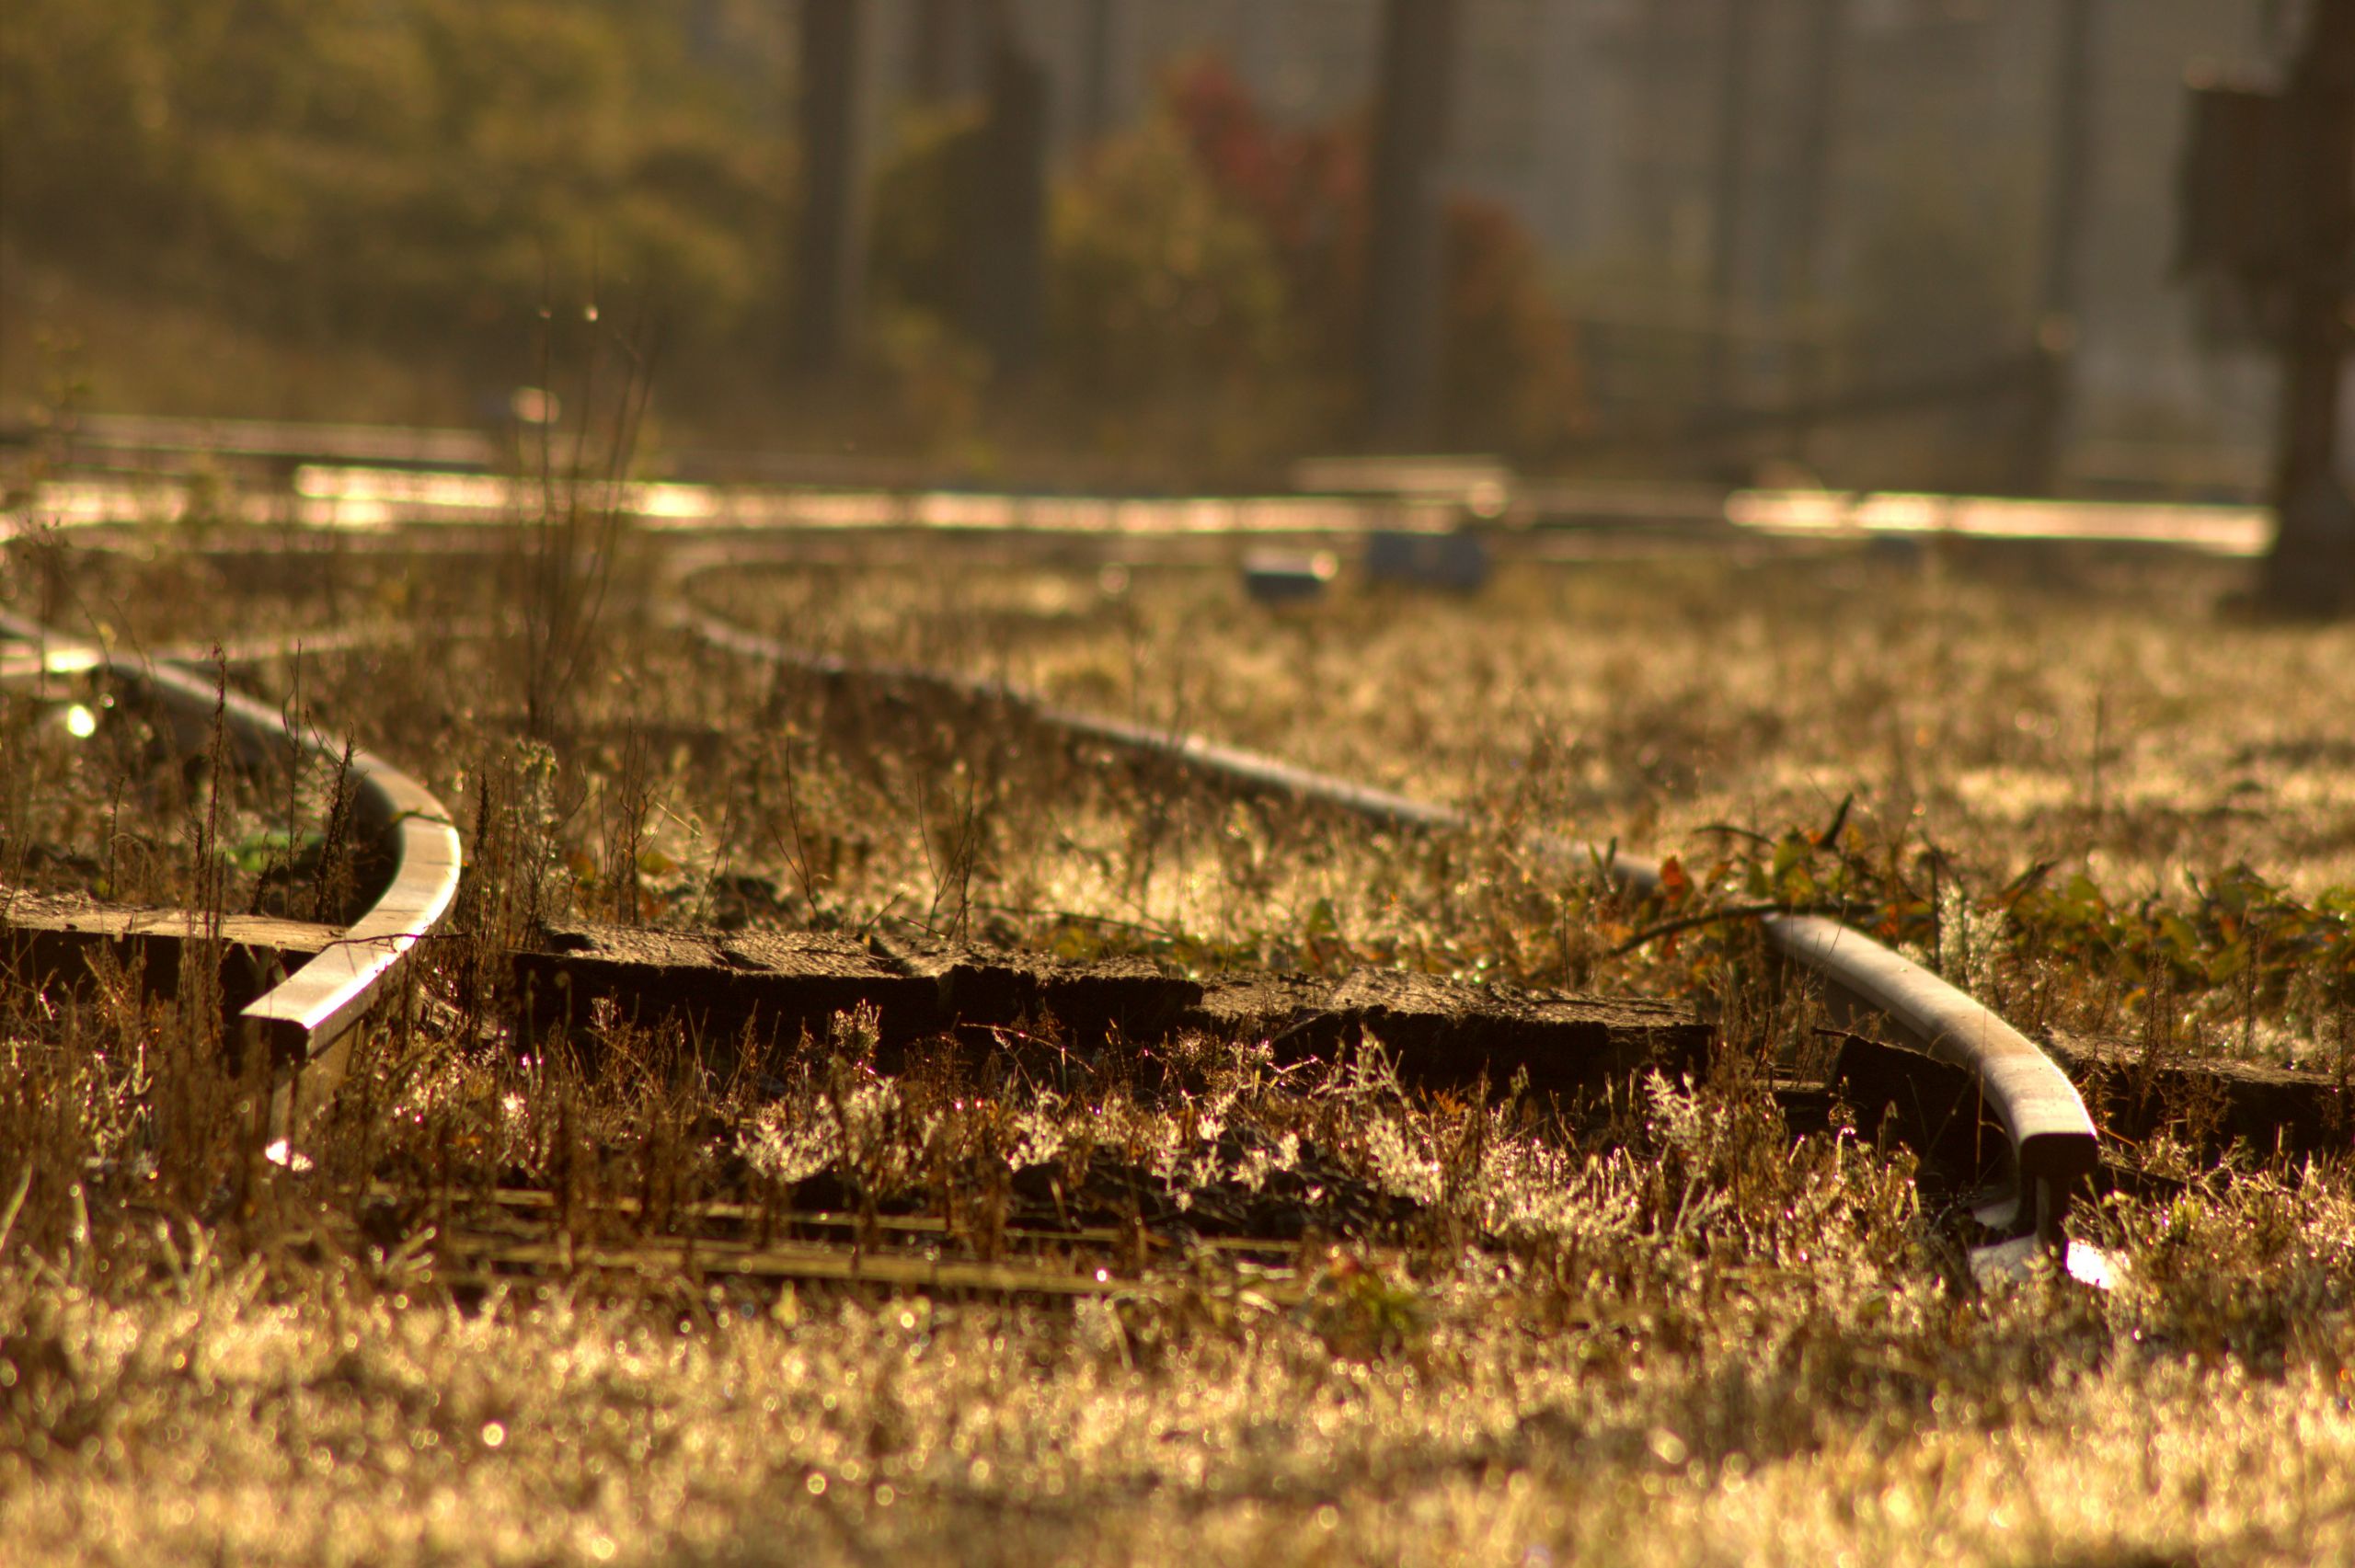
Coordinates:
column 1157, row 283
column 2236, row 935
column 421, row 177
column 923, row 195
column 1170, row 321
column 2227, row 946
column 412, row 171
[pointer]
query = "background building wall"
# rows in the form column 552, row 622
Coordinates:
column 1595, row 122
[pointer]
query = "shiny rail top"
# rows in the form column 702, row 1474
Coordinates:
column 316, row 1005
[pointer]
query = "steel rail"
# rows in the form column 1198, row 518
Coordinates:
column 306, row 1016
column 44, row 659
column 2052, row 1141
column 2054, row 1148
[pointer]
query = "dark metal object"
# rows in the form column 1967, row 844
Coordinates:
column 1457, row 562
column 1932, row 1106
column 1284, row 577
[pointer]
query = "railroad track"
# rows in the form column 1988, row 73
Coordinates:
column 337, row 478
column 2051, row 1141
column 2054, row 1148
column 303, row 1020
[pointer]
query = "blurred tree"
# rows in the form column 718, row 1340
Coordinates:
column 1508, row 365
column 417, row 175
column 1934, row 296
column 1405, row 257
column 1509, row 375
column 402, row 170
column 832, row 252
column 923, row 199
column 1729, row 212
column 1008, row 232
column 944, row 60
column 1305, row 189
column 1159, row 287
column 2046, row 410
column 961, row 213
column 1166, row 305
column 2311, row 564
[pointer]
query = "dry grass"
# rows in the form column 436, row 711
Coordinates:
column 1654, row 1330
column 1700, row 1381
column 2012, row 708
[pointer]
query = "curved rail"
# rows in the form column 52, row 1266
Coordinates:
column 2054, row 1147
column 2051, row 1136
column 313, row 1008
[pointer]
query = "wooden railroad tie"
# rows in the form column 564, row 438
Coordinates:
column 1439, row 1031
